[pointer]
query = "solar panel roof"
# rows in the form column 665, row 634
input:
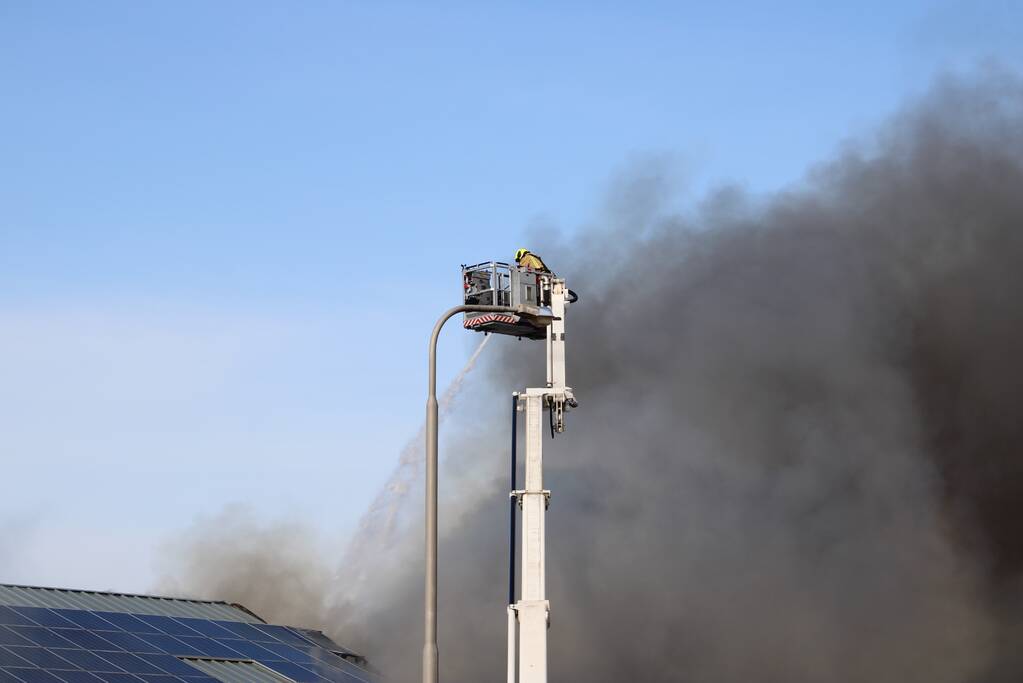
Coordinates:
column 32, row 596
column 74, row 645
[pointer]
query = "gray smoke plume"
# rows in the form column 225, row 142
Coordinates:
column 797, row 457
column 275, row 569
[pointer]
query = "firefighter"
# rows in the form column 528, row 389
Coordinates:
column 527, row 259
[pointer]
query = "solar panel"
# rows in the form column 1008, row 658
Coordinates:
column 9, row 637
column 35, row 676
column 83, row 659
column 287, row 653
column 130, row 642
column 207, row 628
column 44, row 617
column 128, row 622
column 42, row 637
column 207, row 647
column 10, row 616
column 41, row 657
column 86, row 640
column 164, row 643
column 88, row 620
column 118, row 678
column 243, row 631
column 51, row 645
column 169, row 665
column 79, row 677
column 168, row 625
column 133, row 664
column 9, row 658
column 283, row 634
column 249, row 650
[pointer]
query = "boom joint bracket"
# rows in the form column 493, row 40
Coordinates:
column 522, row 493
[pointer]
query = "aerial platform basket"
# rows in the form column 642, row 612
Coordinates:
column 494, row 283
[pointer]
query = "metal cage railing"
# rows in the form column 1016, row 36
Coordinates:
column 495, row 283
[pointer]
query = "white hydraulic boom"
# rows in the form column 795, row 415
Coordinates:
column 532, row 611
column 538, row 302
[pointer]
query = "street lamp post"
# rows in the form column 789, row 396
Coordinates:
column 430, row 653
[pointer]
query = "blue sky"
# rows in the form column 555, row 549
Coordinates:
column 227, row 227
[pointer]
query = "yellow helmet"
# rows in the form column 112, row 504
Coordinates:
column 520, row 253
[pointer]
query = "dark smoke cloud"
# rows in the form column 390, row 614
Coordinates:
column 798, row 453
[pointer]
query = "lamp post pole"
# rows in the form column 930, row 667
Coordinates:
column 430, row 653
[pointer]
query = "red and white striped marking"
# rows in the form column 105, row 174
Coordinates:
column 491, row 318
